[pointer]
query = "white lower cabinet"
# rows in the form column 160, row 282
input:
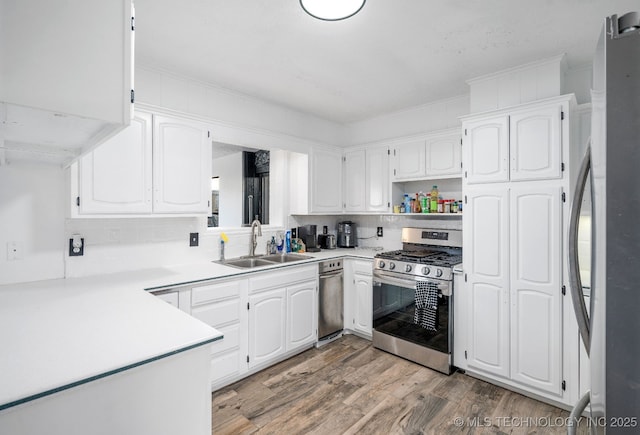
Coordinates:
column 282, row 313
column 267, row 325
column 265, row 317
column 513, row 265
column 302, row 321
column 358, row 294
column 223, row 306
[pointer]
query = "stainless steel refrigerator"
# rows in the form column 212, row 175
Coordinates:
column 610, row 171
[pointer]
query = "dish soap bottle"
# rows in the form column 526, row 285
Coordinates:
column 433, row 207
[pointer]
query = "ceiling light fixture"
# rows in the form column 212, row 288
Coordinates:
column 332, row 10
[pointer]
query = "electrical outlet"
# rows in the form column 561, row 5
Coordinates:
column 76, row 246
column 379, row 233
column 193, row 239
column 14, row 251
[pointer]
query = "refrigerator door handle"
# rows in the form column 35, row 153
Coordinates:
column 576, row 413
column 575, row 283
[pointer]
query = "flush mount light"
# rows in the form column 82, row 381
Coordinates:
column 332, row 10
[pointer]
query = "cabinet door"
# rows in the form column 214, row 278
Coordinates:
column 409, row 160
column 326, row 181
column 536, row 144
column 486, row 150
column 267, row 326
column 536, row 283
column 377, row 179
column 355, row 181
column 443, row 156
column 363, row 309
column 301, row 314
column 181, row 166
column 486, row 263
column 116, row 177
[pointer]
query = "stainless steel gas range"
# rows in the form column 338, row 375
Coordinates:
column 413, row 297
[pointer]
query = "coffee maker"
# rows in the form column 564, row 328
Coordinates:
column 347, row 234
column 308, row 234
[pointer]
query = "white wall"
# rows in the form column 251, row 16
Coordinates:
column 168, row 90
column 229, row 169
column 426, row 118
column 32, row 214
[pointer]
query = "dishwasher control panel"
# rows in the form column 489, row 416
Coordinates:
column 328, row 266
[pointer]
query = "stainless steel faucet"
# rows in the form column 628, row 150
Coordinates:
column 254, row 237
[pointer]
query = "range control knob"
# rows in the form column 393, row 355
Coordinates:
column 407, row 268
column 392, row 266
column 439, row 272
column 381, row 264
column 425, row 270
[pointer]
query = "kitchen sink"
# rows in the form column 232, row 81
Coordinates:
column 285, row 258
column 246, row 263
column 263, row 260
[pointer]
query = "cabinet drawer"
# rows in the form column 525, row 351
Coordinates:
column 231, row 339
column 225, row 365
column 213, row 292
column 218, row 313
column 363, row 267
column 283, row 278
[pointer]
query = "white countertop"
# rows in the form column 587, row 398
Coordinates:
column 59, row 333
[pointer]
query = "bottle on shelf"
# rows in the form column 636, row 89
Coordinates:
column 433, row 207
column 416, row 204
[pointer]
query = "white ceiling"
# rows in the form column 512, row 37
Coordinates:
column 394, row 54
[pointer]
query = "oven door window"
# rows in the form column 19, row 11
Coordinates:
column 394, row 313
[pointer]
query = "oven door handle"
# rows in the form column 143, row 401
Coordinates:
column 379, row 279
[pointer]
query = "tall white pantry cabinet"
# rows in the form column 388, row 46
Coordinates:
column 518, row 328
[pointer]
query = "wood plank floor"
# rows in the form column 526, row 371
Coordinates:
column 349, row 387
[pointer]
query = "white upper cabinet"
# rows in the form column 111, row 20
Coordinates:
column 355, row 181
column 535, row 139
column 156, row 165
column 325, row 181
column 116, row 177
column 181, row 164
column 67, row 72
column 409, row 160
column 518, row 145
column 487, row 150
column 443, row 156
column 437, row 155
column 377, row 179
column 366, row 180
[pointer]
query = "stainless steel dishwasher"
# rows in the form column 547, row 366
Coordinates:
column 330, row 301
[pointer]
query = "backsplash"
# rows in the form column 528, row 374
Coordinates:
column 116, row 245
column 391, row 224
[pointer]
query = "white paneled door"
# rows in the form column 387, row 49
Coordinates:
column 267, row 325
column 181, row 166
column 116, row 177
column 486, row 148
column 443, row 156
column 302, row 314
column 377, row 176
column 535, row 139
column 355, row 180
column 486, row 262
column 536, row 286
